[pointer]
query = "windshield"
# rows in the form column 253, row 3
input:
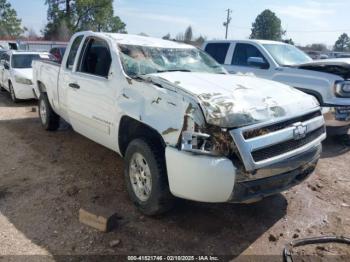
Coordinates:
column 140, row 60
column 23, row 61
column 287, row 55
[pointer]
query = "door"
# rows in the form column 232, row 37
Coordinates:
column 65, row 75
column 91, row 93
column 2, row 68
column 6, row 75
column 247, row 58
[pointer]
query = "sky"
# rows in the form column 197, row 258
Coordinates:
column 306, row 21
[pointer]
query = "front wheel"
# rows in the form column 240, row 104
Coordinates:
column 49, row 119
column 146, row 178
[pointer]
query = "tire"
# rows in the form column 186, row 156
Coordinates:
column 158, row 200
column 48, row 118
column 12, row 94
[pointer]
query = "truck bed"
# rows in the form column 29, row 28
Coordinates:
column 45, row 75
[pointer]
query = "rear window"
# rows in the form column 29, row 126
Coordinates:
column 23, row 61
column 218, row 51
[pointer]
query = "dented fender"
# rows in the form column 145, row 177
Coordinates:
column 165, row 110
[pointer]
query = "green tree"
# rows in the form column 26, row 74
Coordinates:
column 167, row 36
column 342, row 44
column 289, row 41
column 267, row 26
column 188, row 35
column 10, row 24
column 66, row 17
column 317, row 47
column 59, row 16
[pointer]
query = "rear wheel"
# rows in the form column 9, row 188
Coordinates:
column 49, row 119
column 146, row 178
column 12, row 93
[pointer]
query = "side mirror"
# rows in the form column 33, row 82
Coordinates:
column 258, row 62
column 6, row 66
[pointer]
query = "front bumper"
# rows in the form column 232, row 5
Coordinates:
column 216, row 179
column 337, row 120
column 23, row 91
column 252, row 191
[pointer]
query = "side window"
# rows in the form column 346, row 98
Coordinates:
column 2, row 58
column 73, row 52
column 96, row 58
column 243, row 52
column 218, row 51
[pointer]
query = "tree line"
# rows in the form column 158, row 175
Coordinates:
column 65, row 17
column 268, row 26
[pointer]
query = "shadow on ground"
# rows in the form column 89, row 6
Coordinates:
column 47, row 177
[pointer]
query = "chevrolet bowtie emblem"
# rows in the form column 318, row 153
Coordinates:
column 300, row 131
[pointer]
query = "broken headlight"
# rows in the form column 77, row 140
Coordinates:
column 342, row 88
column 196, row 143
column 211, row 141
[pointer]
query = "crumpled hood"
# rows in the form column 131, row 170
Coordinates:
column 233, row 100
column 337, row 66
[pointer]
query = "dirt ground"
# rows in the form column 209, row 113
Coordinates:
column 45, row 178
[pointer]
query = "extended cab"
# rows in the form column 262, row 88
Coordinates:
column 327, row 80
column 184, row 126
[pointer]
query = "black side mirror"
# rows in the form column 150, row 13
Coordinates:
column 6, row 66
column 258, row 62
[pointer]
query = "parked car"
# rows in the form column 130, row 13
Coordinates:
column 185, row 127
column 9, row 45
column 58, row 53
column 326, row 80
column 16, row 73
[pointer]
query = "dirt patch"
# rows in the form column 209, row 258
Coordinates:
column 52, row 175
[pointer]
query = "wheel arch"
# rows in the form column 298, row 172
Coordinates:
column 130, row 129
column 41, row 87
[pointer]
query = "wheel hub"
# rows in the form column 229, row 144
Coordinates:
column 140, row 177
column 43, row 113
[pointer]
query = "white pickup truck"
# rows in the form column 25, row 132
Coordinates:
column 185, row 127
column 327, row 80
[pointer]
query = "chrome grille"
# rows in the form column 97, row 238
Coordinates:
column 280, row 140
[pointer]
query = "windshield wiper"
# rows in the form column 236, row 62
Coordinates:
column 173, row 70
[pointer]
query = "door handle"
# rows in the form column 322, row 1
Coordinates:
column 73, row 85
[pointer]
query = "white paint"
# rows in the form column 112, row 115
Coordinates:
column 238, row 100
column 200, row 178
column 162, row 102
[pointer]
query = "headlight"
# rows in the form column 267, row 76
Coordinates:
column 22, row 80
column 196, row 143
column 342, row 88
column 215, row 142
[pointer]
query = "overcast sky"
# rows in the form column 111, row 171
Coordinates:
column 306, row 21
